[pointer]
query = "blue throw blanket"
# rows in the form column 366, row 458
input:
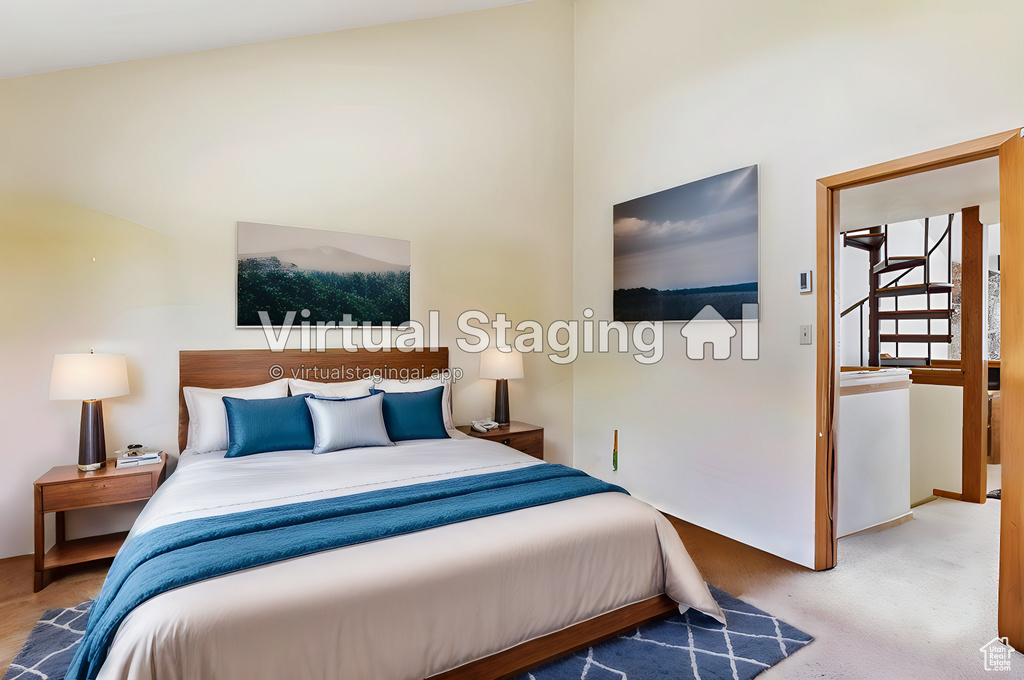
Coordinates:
column 175, row 555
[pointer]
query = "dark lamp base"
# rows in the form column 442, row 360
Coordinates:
column 501, row 402
column 92, row 446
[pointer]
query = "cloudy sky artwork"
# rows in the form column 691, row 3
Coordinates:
column 696, row 235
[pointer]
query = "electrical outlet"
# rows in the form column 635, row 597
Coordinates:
column 805, row 335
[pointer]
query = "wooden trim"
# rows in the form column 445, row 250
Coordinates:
column 995, row 427
column 1011, row 527
column 947, row 363
column 826, row 383
column 533, row 653
column 851, row 390
column 246, row 367
column 948, row 494
column 956, row 154
column 827, row 202
column 974, row 312
column 937, row 376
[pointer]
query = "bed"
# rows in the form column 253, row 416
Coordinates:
column 485, row 598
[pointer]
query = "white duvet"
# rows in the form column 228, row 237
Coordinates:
column 402, row 608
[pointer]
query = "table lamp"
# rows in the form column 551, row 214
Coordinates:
column 496, row 364
column 90, row 377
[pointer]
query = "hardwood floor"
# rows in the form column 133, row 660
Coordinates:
column 730, row 565
column 21, row 608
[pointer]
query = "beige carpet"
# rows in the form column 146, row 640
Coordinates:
column 914, row 601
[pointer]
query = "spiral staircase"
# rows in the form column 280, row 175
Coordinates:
column 875, row 241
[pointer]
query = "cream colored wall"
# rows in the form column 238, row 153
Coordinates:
column 670, row 92
column 454, row 133
column 936, row 440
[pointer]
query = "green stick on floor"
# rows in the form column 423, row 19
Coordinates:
column 615, row 453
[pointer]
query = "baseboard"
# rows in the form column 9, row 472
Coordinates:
column 882, row 526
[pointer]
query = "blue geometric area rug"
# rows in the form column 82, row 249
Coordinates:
column 690, row 645
column 47, row 653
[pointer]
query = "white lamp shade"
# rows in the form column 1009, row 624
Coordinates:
column 88, row 376
column 495, row 364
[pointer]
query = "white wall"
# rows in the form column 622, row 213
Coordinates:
column 936, row 440
column 670, row 92
column 854, row 266
column 454, row 133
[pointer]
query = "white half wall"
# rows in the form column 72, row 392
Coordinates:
column 670, row 92
column 936, row 440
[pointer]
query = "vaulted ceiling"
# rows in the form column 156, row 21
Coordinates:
column 37, row 36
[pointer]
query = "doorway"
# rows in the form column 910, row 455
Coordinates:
column 1008, row 147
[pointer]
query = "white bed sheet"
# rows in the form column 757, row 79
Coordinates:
column 401, row 608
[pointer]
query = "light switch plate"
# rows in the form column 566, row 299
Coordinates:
column 805, row 334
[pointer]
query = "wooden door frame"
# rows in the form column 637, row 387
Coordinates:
column 827, row 369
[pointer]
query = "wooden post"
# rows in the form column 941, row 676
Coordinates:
column 974, row 315
column 874, row 350
column 827, row 379
column 1011, row 389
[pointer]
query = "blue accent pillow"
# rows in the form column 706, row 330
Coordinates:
column 413, row 415
column 261, row 425
column 344, row 423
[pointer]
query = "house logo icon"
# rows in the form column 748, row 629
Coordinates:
column 708, row 326
column 996, row 654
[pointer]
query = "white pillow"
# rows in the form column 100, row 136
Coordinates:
column 207, row 419
column 421, row 386
column 343, row 390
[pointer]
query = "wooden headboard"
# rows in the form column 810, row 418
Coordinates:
column 247, row 367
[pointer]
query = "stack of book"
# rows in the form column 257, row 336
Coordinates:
column 141, row 458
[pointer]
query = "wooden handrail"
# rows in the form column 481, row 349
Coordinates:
column 854, row 306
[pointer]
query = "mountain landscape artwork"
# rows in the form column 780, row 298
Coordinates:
column 681, row 249
column 338, row 277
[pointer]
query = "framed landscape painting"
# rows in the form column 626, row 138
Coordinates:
column 339, row 277
column 681, row 249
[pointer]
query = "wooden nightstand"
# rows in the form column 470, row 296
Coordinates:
column 520, row 436
column 66, row 488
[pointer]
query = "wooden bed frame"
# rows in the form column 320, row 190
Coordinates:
column 244, row 368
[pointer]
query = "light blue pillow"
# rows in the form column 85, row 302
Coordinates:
column 340, row 424
column 414, row 415
column 261, row 425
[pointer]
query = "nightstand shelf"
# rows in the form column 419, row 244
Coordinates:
column 520, row 436
column 66, row 488
column 81, row 550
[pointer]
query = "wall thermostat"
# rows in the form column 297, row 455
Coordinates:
column 805, row 281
